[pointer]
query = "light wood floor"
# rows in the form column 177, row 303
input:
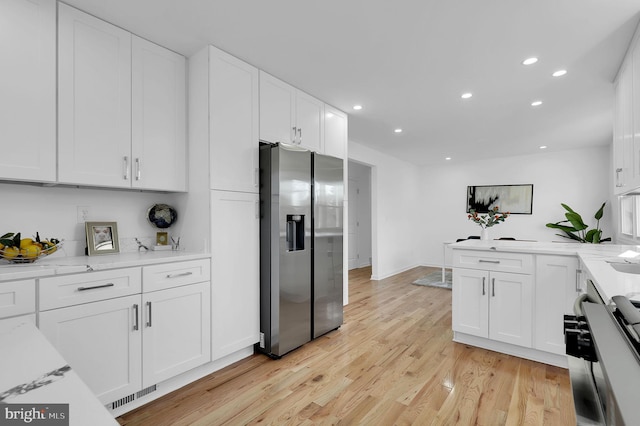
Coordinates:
column 391, row 363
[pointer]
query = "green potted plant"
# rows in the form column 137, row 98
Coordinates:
column 575, row 228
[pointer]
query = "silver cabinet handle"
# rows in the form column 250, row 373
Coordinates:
column 257, row 205
column 256, row 177
column 488, row 261
column 138, row 169
column 578, row 272
column 149, row 313
column 299, row 135
column 95, row 287
column 125, row 168
column 136, row 324
column 181, row 274
column 618, row 171
column 295, row 132
column 493, row 287
column 483, row 291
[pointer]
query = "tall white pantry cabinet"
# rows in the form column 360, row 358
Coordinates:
column 223, row 200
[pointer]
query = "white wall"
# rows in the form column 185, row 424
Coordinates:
column 579, row 178
column 52, row 211
column 395, row 213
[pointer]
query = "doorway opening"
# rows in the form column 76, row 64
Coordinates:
column 359, row 213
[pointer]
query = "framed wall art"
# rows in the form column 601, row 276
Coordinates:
column 102, row 238
column 515, row 199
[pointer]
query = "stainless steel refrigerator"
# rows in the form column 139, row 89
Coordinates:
column 301, row 234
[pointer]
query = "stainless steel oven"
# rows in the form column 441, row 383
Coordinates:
column 604, row 359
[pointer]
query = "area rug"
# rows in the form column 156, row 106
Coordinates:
column 434, row 279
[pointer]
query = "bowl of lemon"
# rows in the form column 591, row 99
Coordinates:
column 16, row 249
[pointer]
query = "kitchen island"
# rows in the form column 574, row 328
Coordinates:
column 511, row 296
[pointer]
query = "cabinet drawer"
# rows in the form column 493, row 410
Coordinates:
column 67, row 290
column 17, row 298
column 493, row 261
column 168, row 275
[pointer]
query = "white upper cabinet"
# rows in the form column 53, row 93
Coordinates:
column 28, row 101
column 158, row 148
column 233, row 124
column 289, row 115
column 626, row 126
column 335, row 132
column 94, row 101
column 309, row 122
column 121, row 107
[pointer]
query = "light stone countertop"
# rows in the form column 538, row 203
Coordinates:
column 60, row 265
column 595, row 258
column 33, row 372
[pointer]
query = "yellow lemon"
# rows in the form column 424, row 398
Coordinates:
column 1, row 246
column 30, row 252
column 26, row 242
column 11, row 252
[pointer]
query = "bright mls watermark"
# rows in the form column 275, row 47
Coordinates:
column 34, row 414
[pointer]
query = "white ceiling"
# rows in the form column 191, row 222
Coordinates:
column 408, row 61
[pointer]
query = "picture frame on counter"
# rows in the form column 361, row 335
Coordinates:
column 102, row 238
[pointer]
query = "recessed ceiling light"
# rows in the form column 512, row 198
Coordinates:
column 466, row 95
column 530, row 61
column 543, row 147
column 559, row 73
column 536, row 103
column 398, row 130
column 357, row 107
column 447, row 158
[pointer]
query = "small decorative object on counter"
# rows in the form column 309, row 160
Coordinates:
column 162, row 216
column 488, row 220
column 575, row 228
column 15, row 249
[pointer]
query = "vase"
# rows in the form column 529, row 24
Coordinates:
column 484, row 234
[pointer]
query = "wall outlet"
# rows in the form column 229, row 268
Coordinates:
column 83, row 214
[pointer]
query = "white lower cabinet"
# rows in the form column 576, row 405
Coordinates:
column 494, row 305
column 176, row 331
column 514, row 302
column 121, row 345
column 557, row 287
column 101, row 341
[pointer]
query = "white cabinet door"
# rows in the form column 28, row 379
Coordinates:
column 234, row 123
column 176, row 331
column 557, row 287
column 235, row 273
column 623, row 149
column 102, row 343
column 277, row 110
column 335, row 132
column 510, row 308
column 28, row 101
column 94, row 101
column 470, row 307
column 158, row 117
column 309, row 122
column 289, row 115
